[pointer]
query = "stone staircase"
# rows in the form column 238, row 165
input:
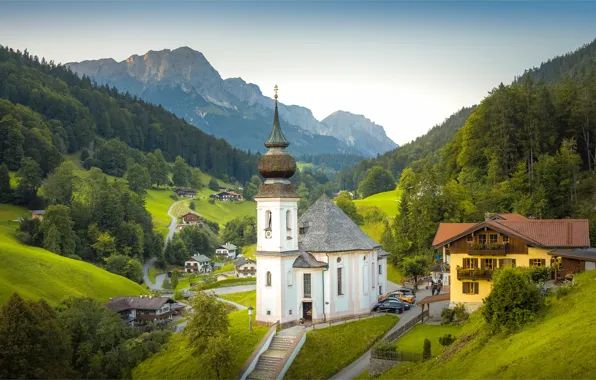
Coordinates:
column 271, row 361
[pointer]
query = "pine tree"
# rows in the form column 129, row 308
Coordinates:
column 11, row 142
column 5, row 189
column 180, row 172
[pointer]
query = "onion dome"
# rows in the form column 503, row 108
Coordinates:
column 277, row 163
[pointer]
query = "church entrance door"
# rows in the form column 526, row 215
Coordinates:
column 307, row 311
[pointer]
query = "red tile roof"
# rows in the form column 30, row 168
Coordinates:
column 448, row 230
column 535, row 232
column 512, row 217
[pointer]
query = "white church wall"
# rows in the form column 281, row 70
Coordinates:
column 268, row 297
column 382, row 277
column 288, row 290
column 278, row 242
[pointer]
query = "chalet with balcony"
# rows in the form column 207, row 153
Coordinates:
column 474, row 250
column 143, row 309
column 186, row 193
column 245, row 267
column 226, row 196
column 198, row 264
column 191, row 218
column 227, row 251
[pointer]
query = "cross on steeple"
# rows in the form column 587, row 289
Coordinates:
column 275, row 88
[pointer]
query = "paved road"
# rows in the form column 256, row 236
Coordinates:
column 160, row 278
column 233, row 289
column 361, row 364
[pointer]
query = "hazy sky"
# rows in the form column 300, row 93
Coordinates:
column 404, row 65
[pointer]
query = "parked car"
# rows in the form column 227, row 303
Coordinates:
column 390, row 305
column 406, row 304
column 401, row 295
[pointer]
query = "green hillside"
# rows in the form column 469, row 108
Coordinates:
column 386, row 201
column 36, row 273
column 559, row 345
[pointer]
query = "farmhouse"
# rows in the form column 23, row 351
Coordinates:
column 228, row 250
column 198, row 264
column 226, row 196
column 187, row 193
column 37, row 214
column 191, row 218
column 474, row 250
column 244, row 267
column 319, row 267
column 139, row 310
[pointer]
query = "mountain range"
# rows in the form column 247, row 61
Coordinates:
column 185, row 83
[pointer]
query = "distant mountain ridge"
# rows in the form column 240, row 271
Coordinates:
column 185, row 83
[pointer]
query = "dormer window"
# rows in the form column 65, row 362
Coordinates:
column 303, row 230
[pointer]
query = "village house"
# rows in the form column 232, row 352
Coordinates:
column 244, row 267
column 226, row 196
column 474, row 250
column 317, row 268
column 186, row 193
column 37, row 214
column 227, row 250
column 198, row 264
column 191, row 218
column 143, row 309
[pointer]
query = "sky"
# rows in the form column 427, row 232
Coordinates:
column 405, row 65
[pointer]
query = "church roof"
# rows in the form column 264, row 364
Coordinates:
column 325, row 228
column 306, row 260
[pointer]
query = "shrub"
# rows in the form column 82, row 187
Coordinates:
column 513, row 301
column 174, row 197
column 385, row 346
column 446, row 340
column 372, row 214
column 563, row 290
column 460, row 312
column 178, row 295
column 166, row 284
column 426, row 350
column 447, row 316
column 211, row 201
column 192, row 205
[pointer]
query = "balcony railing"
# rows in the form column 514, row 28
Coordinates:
column 474, row 274
column 479, row 249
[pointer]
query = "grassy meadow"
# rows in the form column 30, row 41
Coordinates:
column 557, row 345
column 179, row 361
column 243, row 298
column 386, row 201
column 413, row 340
column 36, row 273
column 329, row 350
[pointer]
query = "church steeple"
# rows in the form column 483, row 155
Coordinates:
column 276, row 138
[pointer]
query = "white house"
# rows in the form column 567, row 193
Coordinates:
column 244, row 267
column 198, row 264
column 228, row 250
column 320, row 267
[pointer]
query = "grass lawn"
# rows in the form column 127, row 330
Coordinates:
column 153, row 272
column 36, row 273
column 394, row 275
column 387, row 201
column 328, row 351
column 243, row 298
column 413, row 340
column 178, row 361
column 374, row 230
column 559, row 345
column 220, row 212
column 230, row 282
column 157, row 203
column 181, row 320
column 226, row 268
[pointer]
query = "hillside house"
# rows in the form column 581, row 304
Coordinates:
column 37, row 214
column 191, row 218
column 226, row 196
column 142, row 309
column 186, row 193
column 244, row 267
column 474, row 250
column 573, row 261
column 227, row 250
column 198, row 264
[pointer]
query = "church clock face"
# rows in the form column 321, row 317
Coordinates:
column 268, row 234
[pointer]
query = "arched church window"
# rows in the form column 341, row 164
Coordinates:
column 268, row 217
column 289, row 225
column 268, row 280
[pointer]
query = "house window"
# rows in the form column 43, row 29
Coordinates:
column 482, row 238
column 493, row 238
column 489, row 264
column 380, row 269
column 505, row 239
column 268, row 312
column 306, row 280
column 470, row 263
column 506, row 263
column 290, row 312
column 470, row 238
column 537, row 262
column 290, row 278
column 469, row 287
column 340, row 287
column 380, row 290
column 268, row 280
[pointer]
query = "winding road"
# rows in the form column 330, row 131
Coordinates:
column 161, row 277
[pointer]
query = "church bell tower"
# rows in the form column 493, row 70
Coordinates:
column 277, row 229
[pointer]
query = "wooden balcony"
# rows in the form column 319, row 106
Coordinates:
column 474, row 274
column 487, row 249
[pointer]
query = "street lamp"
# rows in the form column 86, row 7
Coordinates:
column 250, row 309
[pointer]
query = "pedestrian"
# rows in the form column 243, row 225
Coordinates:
column 439, row 286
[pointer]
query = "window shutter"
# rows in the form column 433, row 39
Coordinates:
column 530, row 263
column 501, row 261
column 475, row 288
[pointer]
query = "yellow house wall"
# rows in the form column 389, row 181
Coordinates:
column 485, row 286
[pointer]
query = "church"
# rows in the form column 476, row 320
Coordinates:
column 317, row 268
